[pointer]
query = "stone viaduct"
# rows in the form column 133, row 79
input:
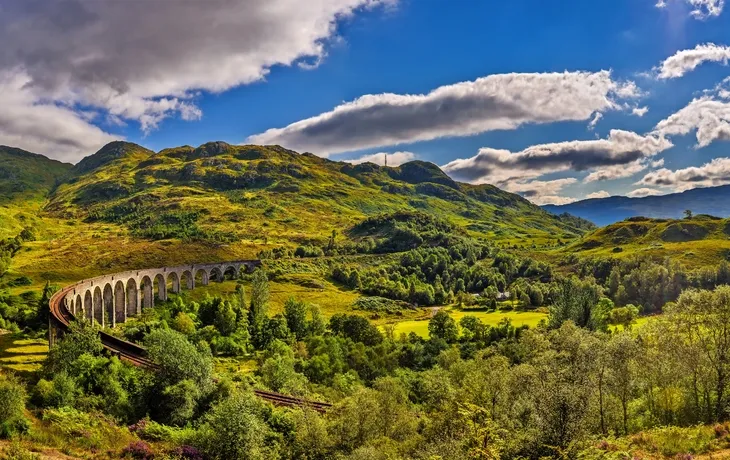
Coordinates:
column 111, row 299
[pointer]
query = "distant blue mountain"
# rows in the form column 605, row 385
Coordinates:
column 604, row 211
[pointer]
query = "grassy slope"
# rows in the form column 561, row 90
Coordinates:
column 696, row 242
column 25, row 180
column 256, row 197
column 420, row 326
column 270, row 194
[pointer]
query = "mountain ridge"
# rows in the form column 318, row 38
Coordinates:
column 204, row 191
column 604, row 211
column 27, row 174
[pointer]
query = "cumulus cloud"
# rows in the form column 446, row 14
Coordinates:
column 553, row 199
column 621, row 150
column 616, row 171
column 146, row 61
column 640, row 111
column 685, row 61
column 707, row 116
column 642, row 192
column 495, row 102
column 594, row 121
column 542, row 192
column 716, row 172
column 44, row 126
column 701, row 9
column 394, row 159
column 598, row 194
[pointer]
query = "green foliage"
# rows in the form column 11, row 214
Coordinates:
column 183, row 323
column 295, row 313
column 443, row 326
column 12, row 407
column 356, row 328
column 81, row 338
column 90, row 431
column 277, row 369
column 178, row 359
column 235, row 428
column 24, row 174
column 578, row 301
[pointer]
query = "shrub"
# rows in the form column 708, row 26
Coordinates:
column 234, row 429
column 187, row 453
column 87, row 430
column 12, row 407
column 18, row 452
column 149, row 430
column 138, row 450
column 59, row 392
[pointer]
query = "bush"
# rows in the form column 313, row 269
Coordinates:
column 149, row 430
column 12, row 407
column 234, row 428
column 59, row 392
column 138, row 450
column 87, row 430
column 18, row 452
column 187, row 453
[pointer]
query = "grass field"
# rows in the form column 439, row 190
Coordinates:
column 420, row 326
column 22, row 355
column 328, row 297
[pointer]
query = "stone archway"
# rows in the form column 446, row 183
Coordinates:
column 132, row 298
column 216, row 274
column 201, row 277
column 148, row 297
column 187, row 280
column 231, row 273
column 120, row 303
column 89, row 305
column 173, row 283
column 79, row 306
column 108, row 311
column 98, row 306
column 161, row 287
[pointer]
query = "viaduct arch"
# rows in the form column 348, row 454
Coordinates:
column 110, row 299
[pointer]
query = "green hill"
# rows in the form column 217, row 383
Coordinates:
column 27, row 175
column 25, row 181
column 696, row 241
column 223, row 193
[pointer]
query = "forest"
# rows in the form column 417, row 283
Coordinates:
column 634, row 355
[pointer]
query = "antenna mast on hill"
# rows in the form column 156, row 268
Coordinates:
column 386, row 159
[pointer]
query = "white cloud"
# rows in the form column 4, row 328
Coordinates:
column 616, row 171
column 394, row 159
column 598, row 194
column 640, row 111
column 596, row 118
column 621, row 150
column 541, row 192
column 658, row 163
column 687, row 60
column 641, row 192
column 708, row 117
column 495, row 102
column 716, row 172
column 553, row 199
column 145, row 61
column 702, row 9
column 29, row 123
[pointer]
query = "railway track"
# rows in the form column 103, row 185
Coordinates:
column 137, row 356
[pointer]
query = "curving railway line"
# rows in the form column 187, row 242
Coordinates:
column 61, row 318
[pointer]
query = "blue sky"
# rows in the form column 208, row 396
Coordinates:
column 238, row 71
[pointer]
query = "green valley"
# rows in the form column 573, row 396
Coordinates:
column 382, row 290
